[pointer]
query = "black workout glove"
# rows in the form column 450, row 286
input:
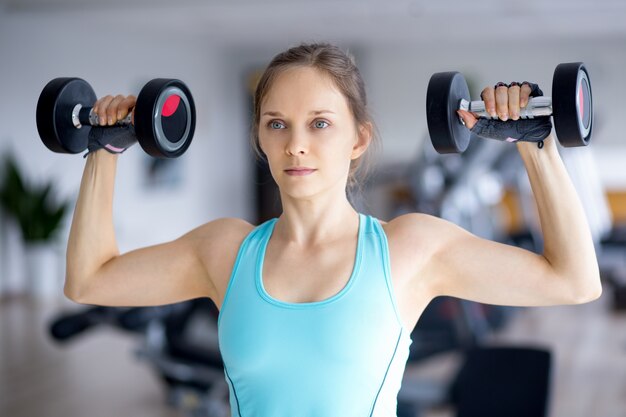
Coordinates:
column 114, row 139
column 526, row 130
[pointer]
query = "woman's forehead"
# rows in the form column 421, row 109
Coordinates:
column 303, row 89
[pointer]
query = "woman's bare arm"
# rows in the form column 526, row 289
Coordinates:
column 92, row 237
column 466, row 266
column 463, row 265
column 161, row 274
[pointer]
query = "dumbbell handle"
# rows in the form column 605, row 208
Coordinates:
column 537, row 106
column 86, row 116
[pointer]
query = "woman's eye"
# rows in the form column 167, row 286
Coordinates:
column 276, row 125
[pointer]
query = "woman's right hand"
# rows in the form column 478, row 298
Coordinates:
column 111, row 109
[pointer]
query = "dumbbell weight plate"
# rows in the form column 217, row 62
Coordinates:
column 54, row 114
column 444, row 94
column 165, row 117
column 572, row 105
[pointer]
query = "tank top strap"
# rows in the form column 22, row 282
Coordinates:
column 242, row 275
column 381, row 237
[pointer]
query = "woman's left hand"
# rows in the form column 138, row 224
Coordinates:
column 501, row 101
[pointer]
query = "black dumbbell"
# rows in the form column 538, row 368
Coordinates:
column 570, row 105
column 165, row 116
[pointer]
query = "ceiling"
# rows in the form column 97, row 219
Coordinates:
column 245, row 20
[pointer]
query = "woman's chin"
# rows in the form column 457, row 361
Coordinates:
column 298, row 191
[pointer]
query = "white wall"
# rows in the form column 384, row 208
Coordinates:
column 35, row 49
column 217, row 169
column 398, row 77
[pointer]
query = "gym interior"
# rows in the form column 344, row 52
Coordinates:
column 61, row 358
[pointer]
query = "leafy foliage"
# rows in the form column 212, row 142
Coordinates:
column 31, row 205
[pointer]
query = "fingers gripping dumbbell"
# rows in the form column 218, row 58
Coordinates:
column 164, row 116
column 570, row 106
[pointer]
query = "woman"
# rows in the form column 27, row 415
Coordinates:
column 316, row 306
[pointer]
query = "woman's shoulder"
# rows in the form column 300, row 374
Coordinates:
column 223, row 227
column 218, row 243
column 220, row 238
column 410, row 221
column 415, row 230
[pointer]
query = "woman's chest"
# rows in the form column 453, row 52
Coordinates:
column 307, row 276
column 304, row 277
column 298, row 276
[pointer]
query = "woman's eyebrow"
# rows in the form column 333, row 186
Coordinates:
column 279, row 114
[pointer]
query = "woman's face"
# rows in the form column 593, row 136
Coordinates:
column 306, row 122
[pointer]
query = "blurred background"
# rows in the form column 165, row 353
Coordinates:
column 59, row 358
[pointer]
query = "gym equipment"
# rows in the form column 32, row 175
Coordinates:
column 165, row 116
column 571, row 106
column 179, row 341
column 498, row 381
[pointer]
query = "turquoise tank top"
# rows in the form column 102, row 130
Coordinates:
column 340, row 357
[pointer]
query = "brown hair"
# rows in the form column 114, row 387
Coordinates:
column 342, row 70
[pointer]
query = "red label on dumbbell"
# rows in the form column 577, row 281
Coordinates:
column 584, row 103
column 173, row 118
column 170, row 105
column 581, row 102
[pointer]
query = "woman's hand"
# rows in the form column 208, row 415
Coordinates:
column 118, row 138
column 111, row 109
column 502, row 101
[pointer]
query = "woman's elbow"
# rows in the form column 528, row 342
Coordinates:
column 71, row 290
column 588, row 294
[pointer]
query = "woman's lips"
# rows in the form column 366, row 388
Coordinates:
column 299, row 172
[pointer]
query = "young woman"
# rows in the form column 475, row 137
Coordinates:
column 317, row 305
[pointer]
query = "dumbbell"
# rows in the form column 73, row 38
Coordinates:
column 165, row 116
column 570, row 106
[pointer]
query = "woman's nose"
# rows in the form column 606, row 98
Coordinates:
column 297, row 144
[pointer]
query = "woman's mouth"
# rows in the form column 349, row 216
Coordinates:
column 299, row 171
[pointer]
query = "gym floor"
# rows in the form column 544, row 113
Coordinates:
column 97, row 374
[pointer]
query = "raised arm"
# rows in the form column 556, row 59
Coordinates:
column 466, row 266
column 568, row 244
column 161, row 274
column 98, row 274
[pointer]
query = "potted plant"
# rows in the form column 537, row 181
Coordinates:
column 39, row 217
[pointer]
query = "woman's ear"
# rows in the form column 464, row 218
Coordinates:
column 364, row 137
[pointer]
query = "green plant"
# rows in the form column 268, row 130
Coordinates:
column 32, row 206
